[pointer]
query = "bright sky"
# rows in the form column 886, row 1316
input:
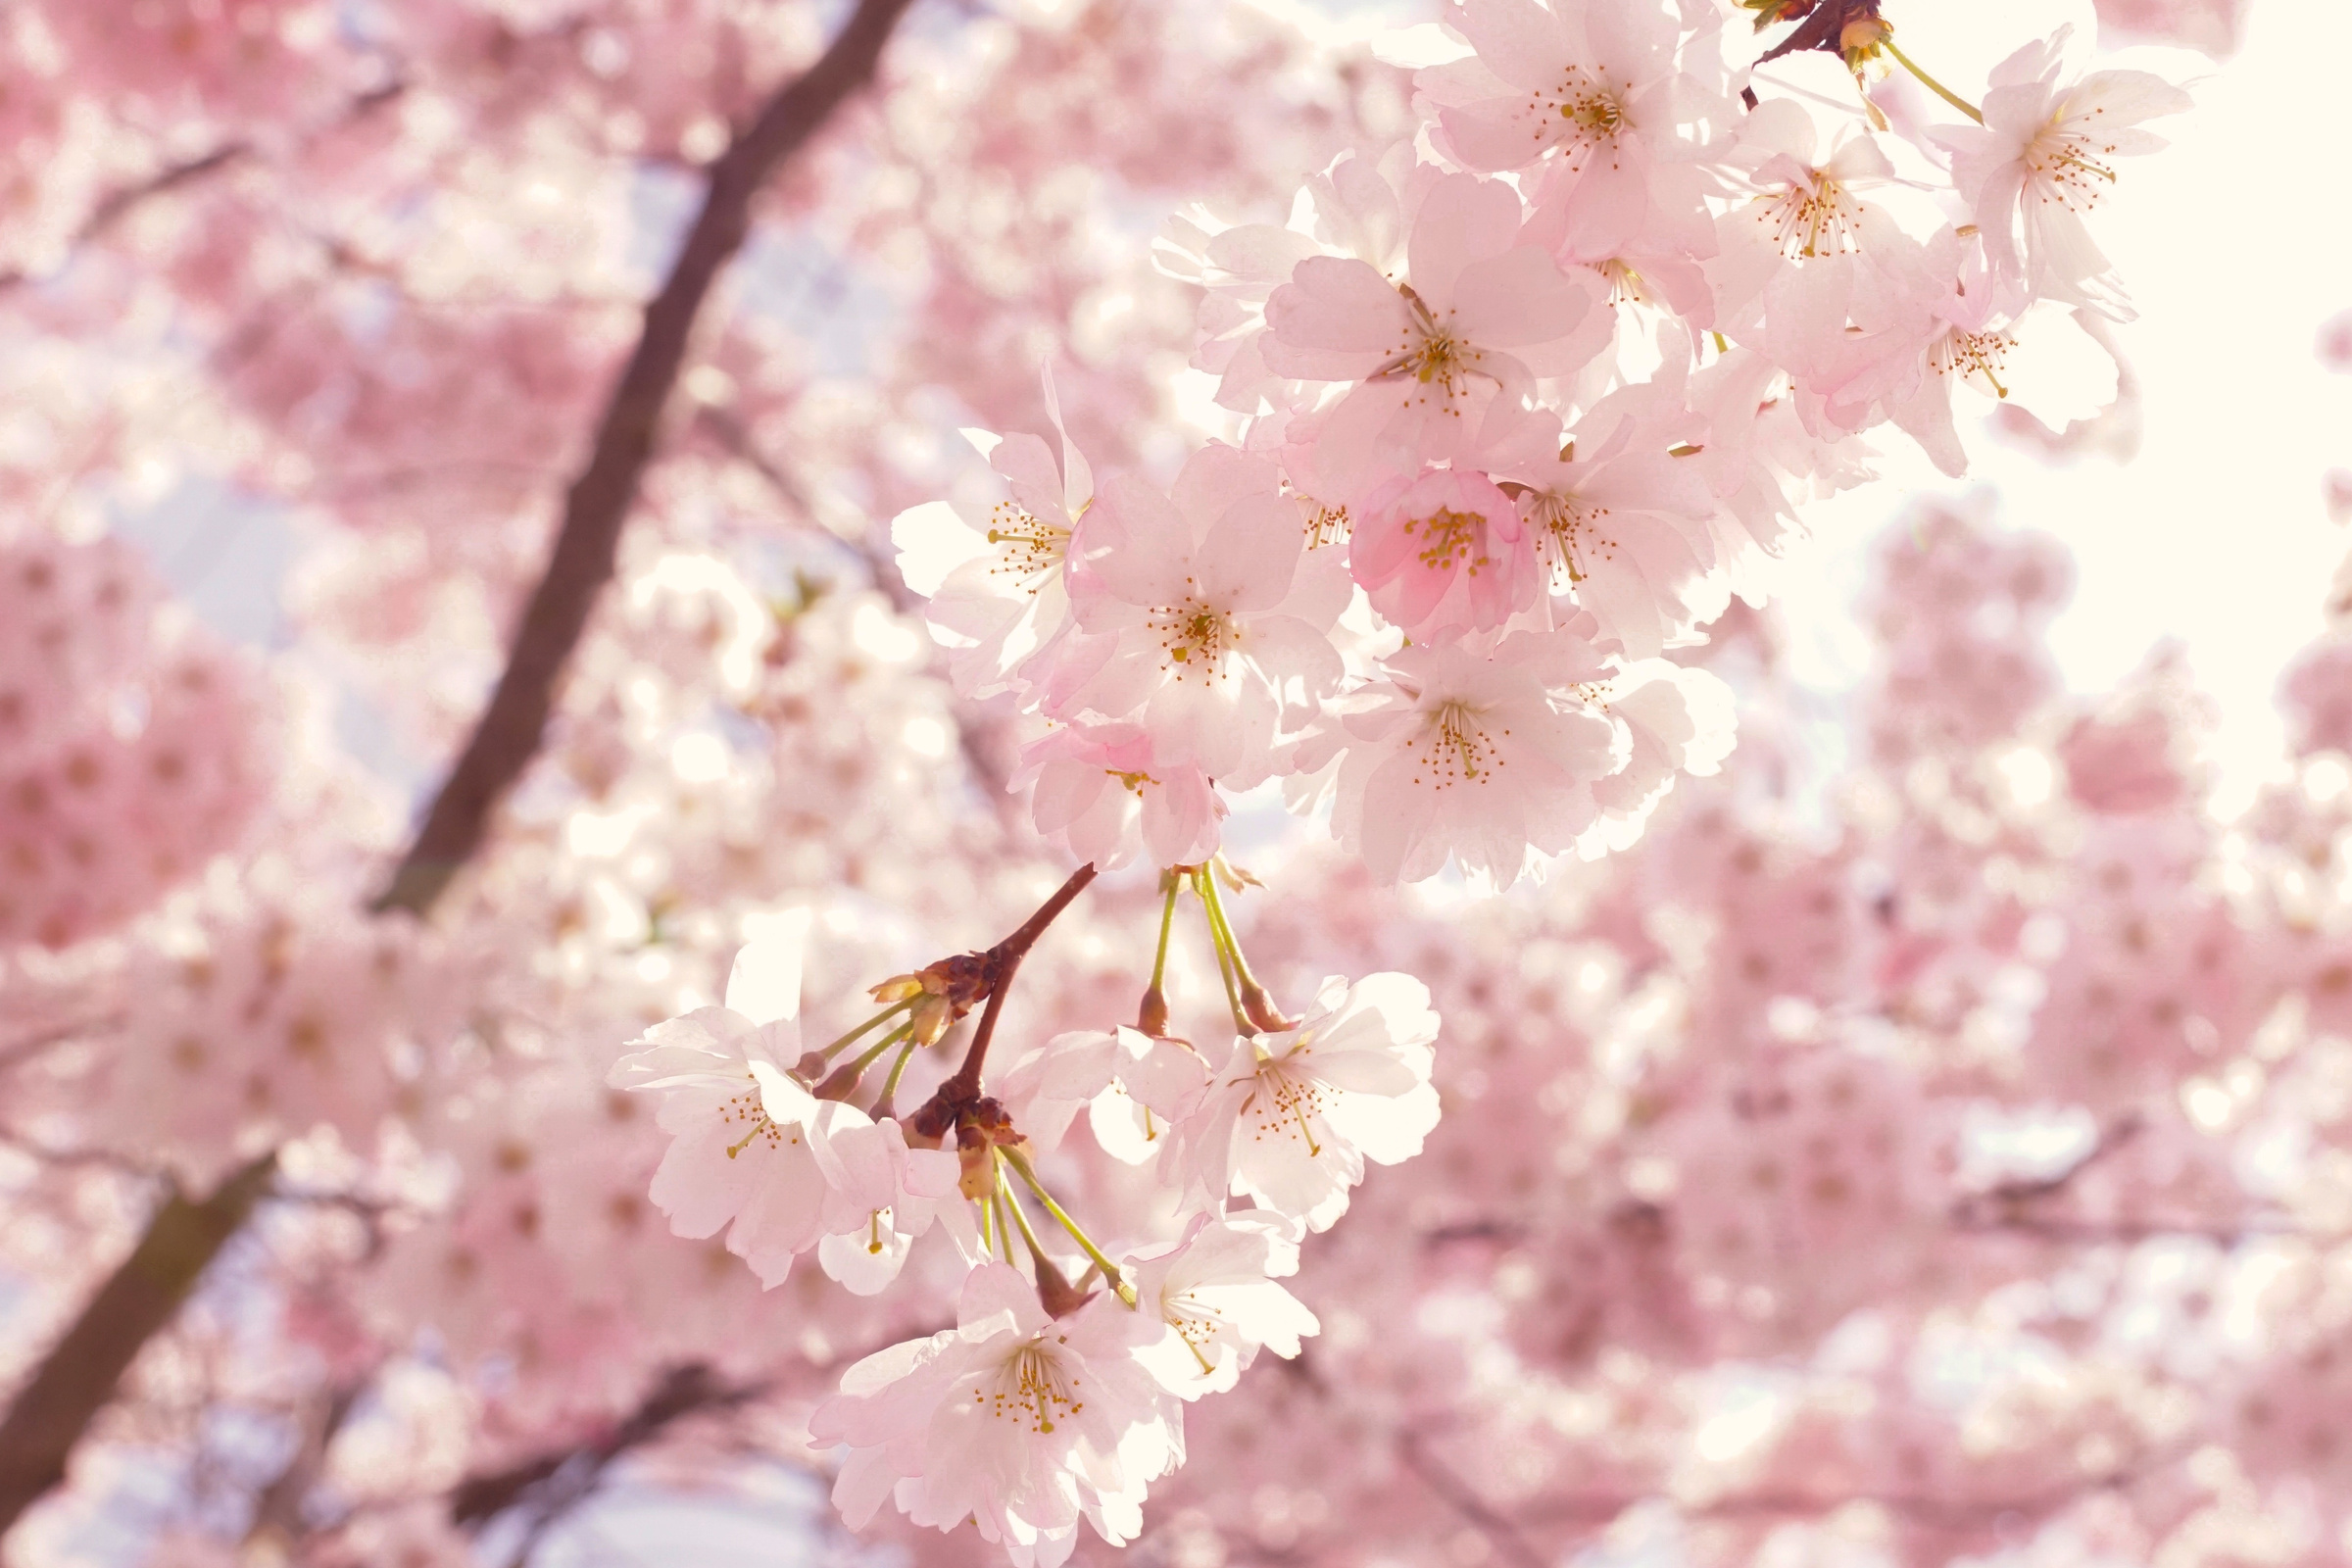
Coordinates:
column 2234, row 244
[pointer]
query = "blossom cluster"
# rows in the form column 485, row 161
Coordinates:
column 1049, row 1402
column 1519, row 403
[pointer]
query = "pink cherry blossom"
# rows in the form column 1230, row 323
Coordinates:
column 1446, row 355
column 2042, row 159
column 1216, row 1291
column 1201, row 616
column 1021, row 1423
column 1488, row 760
column 1292, row 1117
column 1102, row 792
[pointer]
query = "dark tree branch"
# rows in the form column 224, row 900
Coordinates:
column 79, row 1375
column 587, row 544
column 551, row 1484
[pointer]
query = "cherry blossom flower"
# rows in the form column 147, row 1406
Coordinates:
column 2043, row 157
column 1449, row 355
column 1487, row 760
column 1445, row 554
column 1202, row 616
column 1018, row 1422
column 1620, row 521
column 1133, row 1086
column 995, row 586
column 1215, row 1291
column 1101, row 793
column 1292, row 1117
column 1611, row 91
column 743, row 1132
column 881, row 1195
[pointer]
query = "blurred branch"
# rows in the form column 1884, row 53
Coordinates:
column 587, row 544
column 81, row 1371
column 555, row 1483
column 1501, row 1532
column 116, row 205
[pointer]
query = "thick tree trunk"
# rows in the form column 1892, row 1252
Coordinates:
column 509, row 733
column 79, row 1376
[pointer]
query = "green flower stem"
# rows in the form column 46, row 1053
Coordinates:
column 1167, row 919
column 887, row 1013
column 1931, row 85
column 1216, row 940
column 1110, row 1271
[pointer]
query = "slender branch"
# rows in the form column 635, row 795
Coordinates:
column 587, row 544
column 1006, row 957
column 79, row 1375
column 554, row 1483
column 1502, row 1534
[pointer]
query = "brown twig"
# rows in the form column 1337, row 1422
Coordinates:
column 79, row 1375
column 587, row 544
column 1004, row 958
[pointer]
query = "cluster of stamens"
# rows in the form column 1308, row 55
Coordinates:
column 1972, row 354
column 1194, row 1321
column 1431, row 355
column 1028, row 548
column 1567, row 531
column 1135, row 782
column 1453, row 747
column 1281, row 1105
column 1192, row 638
column 2065, row 166
column 1578, row 115
column 1326, row 526
column 1813, row 216
column 748, row 1107
column 1449, row 538
column 1030, row 1388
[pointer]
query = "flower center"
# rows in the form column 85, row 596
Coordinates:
column 1567, row 533
column 1455, row 748
column 748, row 1107
column 1281, row 1105
column 1028, row 549
column 1815, row 217
column 1579, row 115
column 1133, row 781
column 1032, row 1387
column 1449, row 538
column 2068, row 169
column 1969, row 355
column 1194, row 1321
column 1195, row 638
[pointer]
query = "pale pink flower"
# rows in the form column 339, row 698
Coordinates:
column 1215, row 1291
column 1446, row 355
column 1291, row 1118
column 1133, row 1087
column 1202, row 616
column 1020, row 1423
column 1609, row 90
column 996, row 583
column 1621, row 521
column 2044, row 155
column 1678, row 721
column 743, row 1132
column 1099, row 792
column 1444, row 555
column 1489, row 760
column 882, row 1194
